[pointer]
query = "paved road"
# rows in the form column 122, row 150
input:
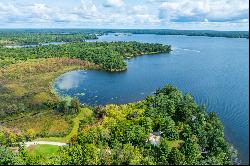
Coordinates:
column 27, row 144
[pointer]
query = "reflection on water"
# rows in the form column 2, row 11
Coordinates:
column 214, row 70
column 185, row 49
column 70, row 80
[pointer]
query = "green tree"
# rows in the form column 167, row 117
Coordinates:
column 176, row 157
column 164, row 151
column 30, row 133
column 191, row 151
column 75, row 105
column 3, row 139
column 7, row 157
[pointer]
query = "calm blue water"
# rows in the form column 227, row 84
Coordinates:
column 215, row 70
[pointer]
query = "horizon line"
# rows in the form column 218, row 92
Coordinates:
column 132, row 29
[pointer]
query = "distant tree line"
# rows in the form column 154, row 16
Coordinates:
column 209, row 33
column 93, row 33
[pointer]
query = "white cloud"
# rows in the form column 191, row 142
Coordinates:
column 182, row 14
column 35, row 12
column 40, row 11
column 223, row 26
column 7, row 9
column 87, row 9
column 204, row 10
column 140, row 9
column 113, row 3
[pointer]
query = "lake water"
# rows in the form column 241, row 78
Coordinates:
column 215, row 70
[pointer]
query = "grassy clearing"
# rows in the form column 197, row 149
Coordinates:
column 25, row 89
column 43, row 150
column 175, row 143
column 84, row 113
column 43, row 121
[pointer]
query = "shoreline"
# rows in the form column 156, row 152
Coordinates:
column 53, row 89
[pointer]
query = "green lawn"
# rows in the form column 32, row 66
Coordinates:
column 43, row 150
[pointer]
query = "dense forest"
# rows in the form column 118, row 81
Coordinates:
column 24, row 38
column 109, row 55
column 166, row 128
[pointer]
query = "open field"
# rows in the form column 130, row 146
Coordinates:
column 84, row 113
column 27, row 97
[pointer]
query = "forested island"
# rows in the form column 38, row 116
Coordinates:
column 110, row 56
column 165, row 128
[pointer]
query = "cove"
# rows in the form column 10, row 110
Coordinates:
column 214, row 70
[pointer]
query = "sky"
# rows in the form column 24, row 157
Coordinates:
column 146, row 14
